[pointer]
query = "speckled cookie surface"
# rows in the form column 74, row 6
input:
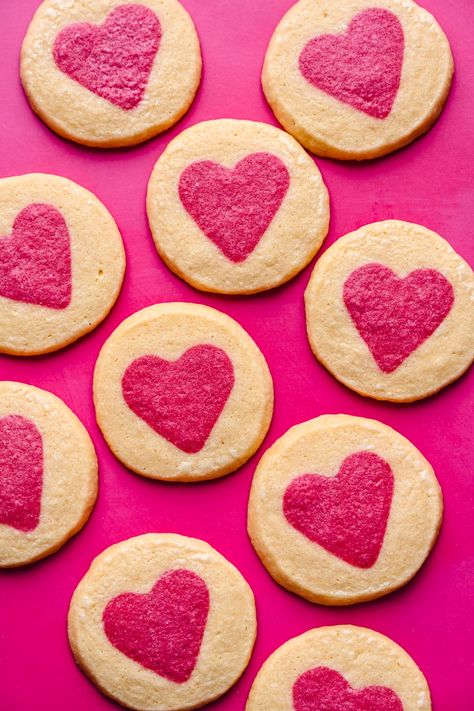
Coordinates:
column 249, row 206
column 48, row 474
column 343, row 509
column 162, row 622
column 340, row 668
column 390, row 311
column 109, row 72
column 355, row 79
column 182, row 393
column 61, row 263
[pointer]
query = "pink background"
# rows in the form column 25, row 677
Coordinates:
column 429, row 182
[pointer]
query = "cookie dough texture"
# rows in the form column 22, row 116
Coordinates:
column 75, row 112
column 134, row 566
column 97, row 265
column 169, row 331
column 329, row 127
column 363, row 657
column 402, row 247
column 293, row 236
column 319, row 447
column 69, row 486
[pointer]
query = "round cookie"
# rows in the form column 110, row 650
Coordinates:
column 182, row 393
column 61, row 263
column 343, row 510
column 356, row 79
column 48, row 474
column 339, row 668
column 390, row 312
column 249, row 206
column 110, row 72
column 162, row 622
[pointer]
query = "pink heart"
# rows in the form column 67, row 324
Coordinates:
column 35, row 261
column 234, row 206
column 394, row 316
column 162, row 630
column 346, row 514
column 324, row 689
column 182, row 399
column 21, row 472
column 361, row 68
column 113, row 60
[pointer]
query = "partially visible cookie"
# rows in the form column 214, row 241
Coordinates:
column 110, row 72
column 340, row 668
column 343, row 509
column 61, row 263
column 162, row 621
column 248, row 204
column 48, row 474
column 390, row 311
column 356, row 79
column 182, row 393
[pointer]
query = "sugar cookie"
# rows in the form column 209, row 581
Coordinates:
column 343, row 509
column 236, row 206
column 61, row 263
column 108, row 72
column 48, row 474
column 390, row 311
column 182, row 393
column 162, row 621
column 356, row 79
column 340, row 668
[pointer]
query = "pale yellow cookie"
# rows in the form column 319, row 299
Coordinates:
column 61, row 263
column 110, row 72
column 390, row 311
column 182, row 393
column 340, row 668
column 356, row 79
column 48, row 474
column 343, row 509
column 162, row 622
column 236, row 207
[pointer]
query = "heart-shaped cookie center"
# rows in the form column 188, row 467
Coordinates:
column 346, row 514
column 21, row 472
column 362, row 67
column 235, row 206
column 181, row 400
column 395, row 316
column 113, row 60
column 324, row 689
column 35, row 260
column 162, row 630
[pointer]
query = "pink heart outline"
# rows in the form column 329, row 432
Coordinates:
column 35, row 260
column 393, row 315
column 346, row 514
column 113, row 60
column 234, row 207
column 161, row 630
column 363, row 66
column 181, row 400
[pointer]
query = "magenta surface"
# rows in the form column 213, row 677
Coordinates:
column 428, row 182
